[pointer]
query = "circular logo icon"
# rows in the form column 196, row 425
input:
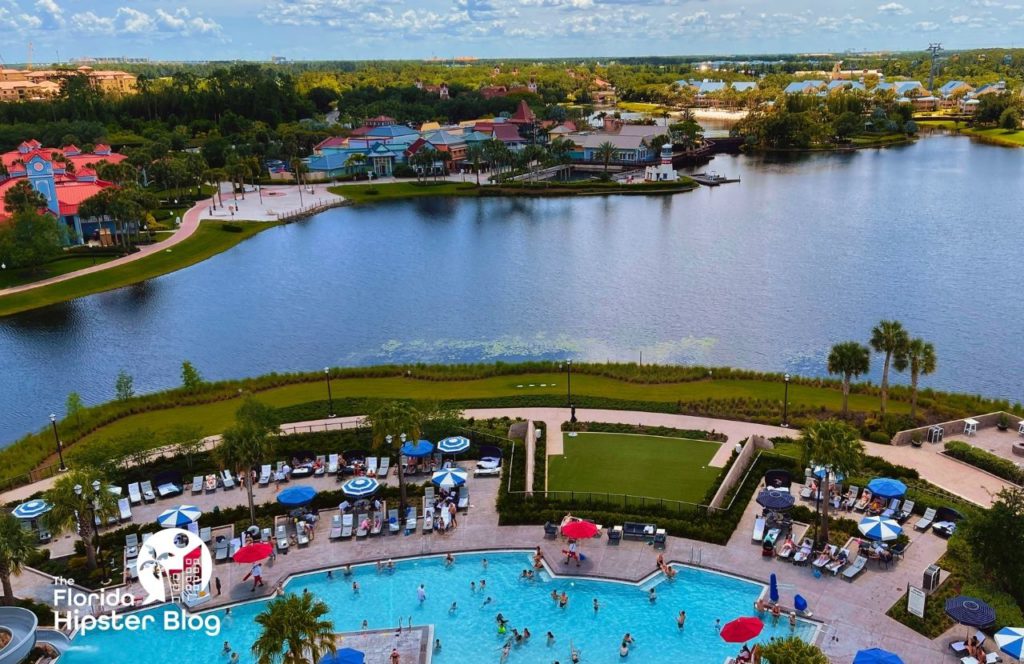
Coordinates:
column 173, row 562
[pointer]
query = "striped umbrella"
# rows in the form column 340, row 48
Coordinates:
column 1011, row 641
column 970, row 611
column 453, row 445
column 449, row 477
column 880, row 528
column 360, row 487
column 31, row 509
column 180, row 516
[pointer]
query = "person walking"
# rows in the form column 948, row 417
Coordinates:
column 216, row 583
column 257, row 576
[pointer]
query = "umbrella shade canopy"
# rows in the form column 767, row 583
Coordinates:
column 821, row 471
column 799, row 603
column 180, row 516
column 773, row 588
column 579, row 529
column 31, row 509
column 344, row 656
column 970, row 611
column 886, row 487
column 253, row 553
column 360, row 487
column 879, row 528
column 453, row 445
column 420, row 448
column 742, row 630
column 876, row 656
column 774, row 499
column 296, row 496
column 449, row 477
column 1011, row 641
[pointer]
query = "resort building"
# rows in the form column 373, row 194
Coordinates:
column 30, row 84
column 804, row 87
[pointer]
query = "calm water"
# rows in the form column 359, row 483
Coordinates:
column 764, row 274
column 470, row 633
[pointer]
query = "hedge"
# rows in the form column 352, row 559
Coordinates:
column 666, row 432
column 985, row 460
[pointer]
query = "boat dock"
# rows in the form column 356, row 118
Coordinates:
column 711, row 179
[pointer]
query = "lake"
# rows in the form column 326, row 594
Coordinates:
column 764, row 274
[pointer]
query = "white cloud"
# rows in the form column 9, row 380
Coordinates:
column 926, row 26
column 957, row 20
column 90, row 23
column 52, row 11
column 130, row 21
column 135, row 22
column 893, row 8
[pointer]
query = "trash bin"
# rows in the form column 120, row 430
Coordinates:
column 931, row 578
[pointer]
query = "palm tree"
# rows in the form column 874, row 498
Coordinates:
column 355, row 160
column 248, row 442
column 393, row 423
column 851, row 359
column 475, row 154
column 605, row 152
column 921, row 357
column 16, row 546
column 294, row 630
column 835, row 446
column 74, row 500
column 891, row 338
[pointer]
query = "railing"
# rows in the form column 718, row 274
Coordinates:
column 607, row 498
column 310, row 210
column 337, row 425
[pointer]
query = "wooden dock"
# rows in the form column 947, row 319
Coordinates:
column 711, row 180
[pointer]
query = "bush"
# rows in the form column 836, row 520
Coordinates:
column 371, row 191
column 44, row 614
column 404, row 171
column 230, row 228
column 792, row 650
column 985, row 460
column 668, row 432
column 880, row 437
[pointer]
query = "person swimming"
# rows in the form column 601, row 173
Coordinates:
column 652, row 595
column 551, row 639
column 681, row 620
column 453, row 608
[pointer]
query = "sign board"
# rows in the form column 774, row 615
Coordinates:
column 915, row 601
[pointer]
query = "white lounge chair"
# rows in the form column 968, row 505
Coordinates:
column 865, row 500
column 134, row 493
column 393, row 524
column 835, row 565
column 851, row 572
column 428, row 494
column 371, row 466
column 197, row 484
column 464, row 498
column 428, row 519
column 228, row 479
column 125, row 509
column 825, row 556
column 131, row 545
column 221, row 549
column 346, row 526
column 906, row 510
column 335, row 527
column 211, row 483
column 332, row 464
column 320, row 466
column 376, row 523
column 282, row 537
column 806, row 548
column 206, row 534
column 265, row 474
column 147, row 492
column 300, row 535
column 362, row 525
column 384, row 468
column 488, row 467
column 410, row 519
column 759, row 523
column 925, row 521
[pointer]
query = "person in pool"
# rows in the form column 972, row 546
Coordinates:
column 624, row 650
column 437, row 645
column 227, row 648
column 551, row 639
column 563, row 600
column 652, row 595
column 681, row 620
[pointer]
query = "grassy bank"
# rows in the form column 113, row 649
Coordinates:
column 10, row 277
column 997, row 136
column 369, row 193
column 211, row 238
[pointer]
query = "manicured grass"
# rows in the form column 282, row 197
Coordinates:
column 670, row 468
column 998, row 136
column 641, row 107
column 367, row 193
column 363, row 193
column 215, row 417
column 867, row 140
column 208, row 240
column 9, row 277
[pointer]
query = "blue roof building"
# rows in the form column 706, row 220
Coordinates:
column 803, row 87
column 744, row 86
column 845, row 85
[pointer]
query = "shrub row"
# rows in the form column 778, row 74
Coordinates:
column 668, row 432
column 540, row 460
column 985, row 460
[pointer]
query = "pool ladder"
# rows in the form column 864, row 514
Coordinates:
column 696, row 556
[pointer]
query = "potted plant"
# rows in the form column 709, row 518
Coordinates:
column 916, row 439
column 1003, row 423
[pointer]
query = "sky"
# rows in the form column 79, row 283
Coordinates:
column 60, row 30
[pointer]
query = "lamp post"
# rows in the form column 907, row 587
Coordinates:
column 92, row 512
column 60, row 448
column 785, row 402
column 568, row 386
column 330, row 397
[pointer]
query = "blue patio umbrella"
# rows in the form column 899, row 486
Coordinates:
column 449, row 477
column 420, row 448
column 1011, row 641
column 880, row 528
column 453, row 445
column 360, row 487
column 344, row 656
column 775, row 499
column 876, row 656
column 886, row 487
column 821, row 471
column 799, row 603
column 31, row 509
column 970, row 611
column 296, row 496
column 180, row 516
column 773, row 588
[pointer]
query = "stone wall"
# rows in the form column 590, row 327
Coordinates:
column 739, row 468
column 955, row 427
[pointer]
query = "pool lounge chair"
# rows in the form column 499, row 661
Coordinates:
column 488, row 467
column 393, row 525
column 808, row 491
column 825, row 556
column 428, row 519
column 925, row 521
column 131, row 545
column 865, row 500
column 221, row 549
column 550, row 530
column 759, row 523
column 301, row 538
column 346, row 526
column 125, row 509
column 890, row 511
column 806, row 548
column 279, row 474
column 134, row 494
column 228, row 479
column 660, row 537
column 211, row 483
column 206, row 534
column 384, row 468
column 197, row 484
column 376, row 523
column 410, row 520
column 371, row 466
column 615, row 535
column 851, row 496
column 321, row 466
column 835, row 565
column 267, row 536
column 464, row 498
column 282, row 537
column 147, row 492
column 171, row 489
column 787, row 550
column 362, row 525
column 332, row 464
column 959, row 648
column 265, row 474
column 335, row 527
column 428, row 494
column 851, row 572
column 906, row 511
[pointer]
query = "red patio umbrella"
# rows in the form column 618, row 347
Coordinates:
column 579, row 530
column 742, row 630
column 253, row 553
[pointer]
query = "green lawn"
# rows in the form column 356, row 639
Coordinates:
column 208, row 240
column 642, row 107
column 670, row 468
column 998, row 136
column 9, row 277
column 367, row 193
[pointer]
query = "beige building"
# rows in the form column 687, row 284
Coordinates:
column 29, row 84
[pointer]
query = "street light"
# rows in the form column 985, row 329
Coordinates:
column 330, row 398
column 568, row 386
column 785, row 402
column 60, row 448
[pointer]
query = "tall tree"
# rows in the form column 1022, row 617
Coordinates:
column 16, row 546
column 22, row 197
column 74, row 501
column 891, row 338
column 921, row 358
column 191, row 379
column 294, row 629
column 74, row 408
column 249, row 442
column 124, row 386
column 849, row 359
column 996, row 538
column 475, row 155
column 605, row 152
column 31, row 239
column 393, row 419
column 836, row 447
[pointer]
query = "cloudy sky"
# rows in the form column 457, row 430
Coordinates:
column 360, row 29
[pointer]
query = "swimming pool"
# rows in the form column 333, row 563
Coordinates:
column 470, row 633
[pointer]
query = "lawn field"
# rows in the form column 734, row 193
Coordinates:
column 652, row 466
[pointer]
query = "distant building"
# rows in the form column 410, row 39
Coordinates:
column 804, row 87
column 663, row 172
column 840, row 84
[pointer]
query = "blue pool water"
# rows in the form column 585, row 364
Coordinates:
column 470, row 634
